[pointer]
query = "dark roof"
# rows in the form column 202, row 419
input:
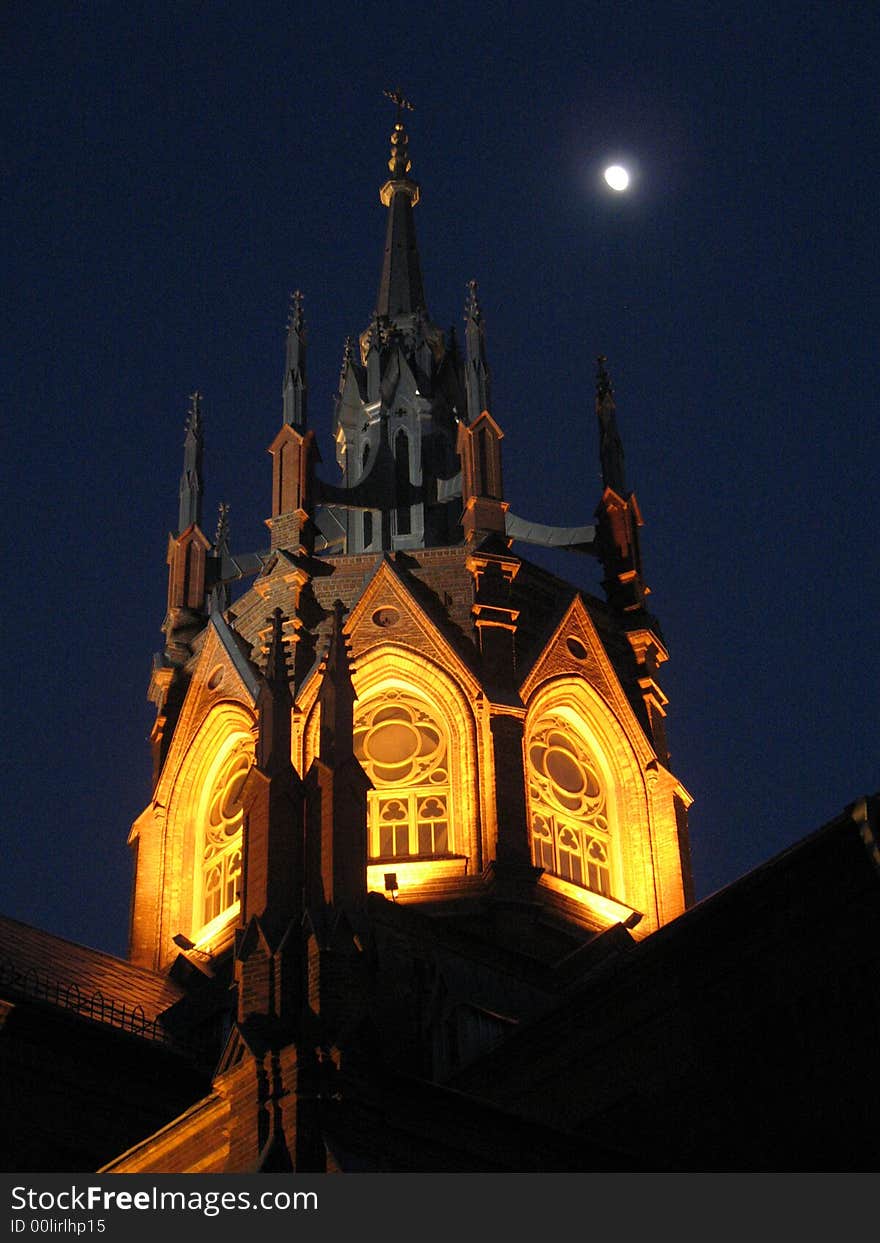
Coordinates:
column 41, row 964
column 731, row 1020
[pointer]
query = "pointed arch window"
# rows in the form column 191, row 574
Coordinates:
column 568, row 807
column 222, row 816
column 403, row 747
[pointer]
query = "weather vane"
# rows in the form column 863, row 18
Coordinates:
column 397, row 97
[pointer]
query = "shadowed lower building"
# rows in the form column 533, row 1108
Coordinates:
column 414, row 876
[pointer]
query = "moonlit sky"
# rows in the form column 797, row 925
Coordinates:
column 173, row 171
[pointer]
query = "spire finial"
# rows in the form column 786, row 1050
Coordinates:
column 295, row 312
column 399, row 163
column 477, row 373
column 221, row 539
column 603, row 379
column 190, row 491
column 397, row 97
column 610, row 444
column 400, row 285
column 472, row 305
column 293, row 391
column 220, row 597
column 347, row 354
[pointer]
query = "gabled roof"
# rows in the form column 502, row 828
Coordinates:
column 220, row 673
column 232, row 647
column 576, row 650
column 424, row 629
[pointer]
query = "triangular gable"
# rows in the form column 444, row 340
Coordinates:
column 287, row 432
column 352, row 396
column 247, row 675
column 398, row 382
column 575, row 650
column 486, row 417
column 222, row 674
column 191, row 534
column 388, row 613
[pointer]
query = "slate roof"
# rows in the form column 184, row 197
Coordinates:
column 43, row 965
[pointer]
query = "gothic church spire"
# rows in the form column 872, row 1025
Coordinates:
column 190, row 510
column 610, row 444
column 295, row 389
column 400, row 287
column 477, row 374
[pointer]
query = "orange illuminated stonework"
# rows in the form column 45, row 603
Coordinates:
column 599, row 803
column 396, row 793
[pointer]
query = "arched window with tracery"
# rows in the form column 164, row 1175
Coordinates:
column 568, row 806
column 220, row 850
column 403, row 746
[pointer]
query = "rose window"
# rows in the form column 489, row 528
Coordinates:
column 403, row 749
column 568, row 806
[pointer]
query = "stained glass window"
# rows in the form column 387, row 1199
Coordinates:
column 403, row 749
column 221, row 857
column 568, row 807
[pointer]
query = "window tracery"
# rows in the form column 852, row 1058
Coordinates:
column 223, row 816
column 404, row 750
column 568, row 807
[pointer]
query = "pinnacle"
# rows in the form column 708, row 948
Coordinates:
column 603, row 379
column 347, row 353
column 194, row 417
column 276, row 658
column 295, row 312
column 472, row 305
column 221, row 538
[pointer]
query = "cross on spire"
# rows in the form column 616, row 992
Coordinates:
column 397, row 97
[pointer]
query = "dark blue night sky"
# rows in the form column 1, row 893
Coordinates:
column 172, row 172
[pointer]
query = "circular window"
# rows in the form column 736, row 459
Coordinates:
column 215, row 677
column 385, row 617
column 577, row 649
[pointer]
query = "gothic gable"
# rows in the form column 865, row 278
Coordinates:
column 222, row 673
column 574, row 650
column 387, row 613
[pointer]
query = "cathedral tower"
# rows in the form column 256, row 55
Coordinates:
column 407, row 773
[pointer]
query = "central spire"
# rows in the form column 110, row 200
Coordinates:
column 400, row 287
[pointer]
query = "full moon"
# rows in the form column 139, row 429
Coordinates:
column 617, row 177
